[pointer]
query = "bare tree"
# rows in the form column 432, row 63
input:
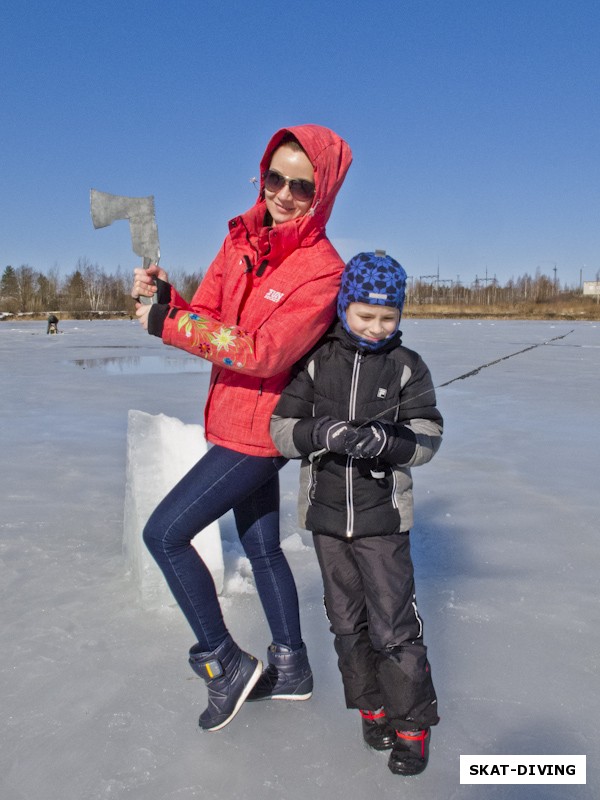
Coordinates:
column 26, row 287
column 95, row 284
column 118, row 297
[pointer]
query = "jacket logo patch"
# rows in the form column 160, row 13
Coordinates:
column 273, row 296
column 381, row 393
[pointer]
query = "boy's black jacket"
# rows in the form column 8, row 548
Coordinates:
column 338, row 495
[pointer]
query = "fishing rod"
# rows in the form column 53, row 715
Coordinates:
column 476, row 371
column 471, row 373
column 503, row 358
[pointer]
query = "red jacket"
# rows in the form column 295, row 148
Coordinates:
column 254, row 325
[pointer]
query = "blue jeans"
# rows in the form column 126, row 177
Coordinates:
column 225, row 480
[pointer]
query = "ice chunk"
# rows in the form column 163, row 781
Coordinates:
column 160, row 450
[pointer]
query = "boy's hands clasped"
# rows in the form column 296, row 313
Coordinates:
column 366, row 440
column 331, row 434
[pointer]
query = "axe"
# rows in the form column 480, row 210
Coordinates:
column 106, row 208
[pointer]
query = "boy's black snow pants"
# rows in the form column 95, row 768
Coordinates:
column 370, row 602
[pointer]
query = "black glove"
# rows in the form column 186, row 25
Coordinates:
column 156, row 318
column 369, row 441
column 330, row 434
column 395, row 444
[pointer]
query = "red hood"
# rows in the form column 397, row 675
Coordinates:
column 330, row 156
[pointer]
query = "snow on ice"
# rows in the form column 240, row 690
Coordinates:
column 98, row 700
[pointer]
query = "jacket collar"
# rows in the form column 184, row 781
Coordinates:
column 350, row 342
column 275, row 242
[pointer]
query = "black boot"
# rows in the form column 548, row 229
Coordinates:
column 410, row 752
column 377, row 731
column 287, row 677
column 230, row 675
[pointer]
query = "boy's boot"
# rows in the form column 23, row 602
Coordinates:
column 230, row 674
column 377, row 731
column 410, row 752
column 287, row 677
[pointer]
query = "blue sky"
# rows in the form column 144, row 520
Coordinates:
column 475, row 126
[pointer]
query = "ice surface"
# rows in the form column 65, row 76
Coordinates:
column 160, row 451
column 98, row 701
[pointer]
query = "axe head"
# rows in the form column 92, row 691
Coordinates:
column 106, row 208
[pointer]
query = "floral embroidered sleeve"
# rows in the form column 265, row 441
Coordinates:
column 231, row 347
column 273, row 347
column 300, row 317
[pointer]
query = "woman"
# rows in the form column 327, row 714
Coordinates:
column 265, row 300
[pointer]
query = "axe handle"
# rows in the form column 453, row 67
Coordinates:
column 142, row 298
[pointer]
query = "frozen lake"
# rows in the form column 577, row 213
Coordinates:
column 98, row 699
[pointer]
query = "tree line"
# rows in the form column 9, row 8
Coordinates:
column 488, row 291
column 89, row 289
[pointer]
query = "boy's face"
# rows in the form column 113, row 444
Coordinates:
column 373, row 323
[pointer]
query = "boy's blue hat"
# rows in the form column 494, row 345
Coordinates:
column 372, row 278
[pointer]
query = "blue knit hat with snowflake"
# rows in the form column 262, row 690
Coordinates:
column 372, row 278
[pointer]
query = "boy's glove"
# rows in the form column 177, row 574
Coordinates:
column 331, row 434
column 396, row 444
column 369, row 441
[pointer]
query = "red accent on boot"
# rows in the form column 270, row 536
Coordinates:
column 415, row 736
column 372, row 715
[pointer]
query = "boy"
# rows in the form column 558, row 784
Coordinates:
column 361, row 412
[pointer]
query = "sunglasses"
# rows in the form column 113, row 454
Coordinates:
column 300, row 189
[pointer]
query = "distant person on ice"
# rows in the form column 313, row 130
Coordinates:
column 361, row 413
column 265, row 300
column 52, row 324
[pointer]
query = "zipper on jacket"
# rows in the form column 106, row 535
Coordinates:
column 349, row 500
column 358, row 359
